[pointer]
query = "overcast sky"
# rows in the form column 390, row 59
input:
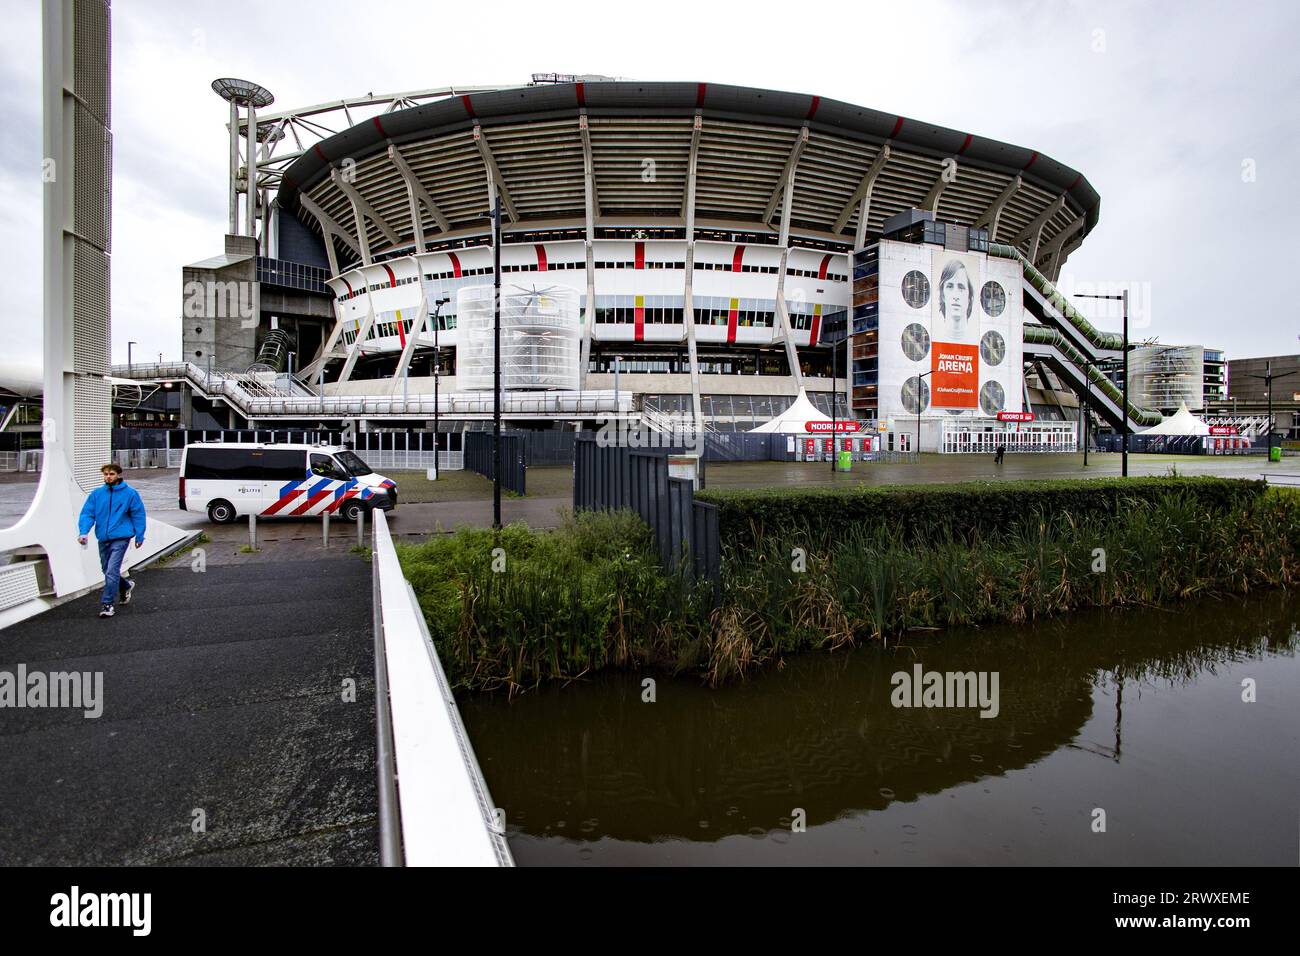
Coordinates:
column 1167, row 108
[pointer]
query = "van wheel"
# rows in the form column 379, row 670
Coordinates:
column 221, row 512
column 350, row 510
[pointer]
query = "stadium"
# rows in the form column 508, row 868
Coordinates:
column 669, row 251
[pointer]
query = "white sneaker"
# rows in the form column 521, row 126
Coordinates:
column 130, row 586
column 107, row 611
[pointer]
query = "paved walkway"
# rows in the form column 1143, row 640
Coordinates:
column 222, row 693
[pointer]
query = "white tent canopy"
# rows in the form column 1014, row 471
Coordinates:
column 1182, row 422
column 793, row 420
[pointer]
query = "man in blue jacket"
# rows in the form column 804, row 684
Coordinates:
column 115, row 511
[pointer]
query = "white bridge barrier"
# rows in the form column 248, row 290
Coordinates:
column 441, row 813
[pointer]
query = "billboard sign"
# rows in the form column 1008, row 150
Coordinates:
column 954, row 363
column 1015, row 416
column 825, row 427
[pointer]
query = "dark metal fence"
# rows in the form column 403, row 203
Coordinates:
column 685, row 530
column 480, row 457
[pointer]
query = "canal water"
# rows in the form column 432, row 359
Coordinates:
column 1133, row 720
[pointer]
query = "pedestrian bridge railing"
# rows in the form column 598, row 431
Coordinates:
column 434, row 807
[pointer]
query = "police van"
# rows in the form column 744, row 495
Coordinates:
column 230, row 479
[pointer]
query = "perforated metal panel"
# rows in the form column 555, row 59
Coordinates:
column 91, row 429
column 92, row 188
column 18, row 583
column 91, row 302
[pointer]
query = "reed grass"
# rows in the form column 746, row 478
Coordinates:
column 591, row 594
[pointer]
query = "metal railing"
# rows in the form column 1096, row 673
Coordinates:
column 442, row 813
column 242, row 391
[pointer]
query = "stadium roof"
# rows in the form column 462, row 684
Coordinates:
column 639, row 139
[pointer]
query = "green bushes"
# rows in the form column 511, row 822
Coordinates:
column 551, row 605
column 877, row 582
column 925, row 512
column 592, row 595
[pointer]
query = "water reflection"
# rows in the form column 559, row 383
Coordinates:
column 593, row 762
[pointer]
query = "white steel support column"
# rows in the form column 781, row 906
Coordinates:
column 1053, row 250
column 782, row 310
column 1035, row 228
column 861, row 200
column 495, row 182
column 417, row 329
column 688, row 302
column 250, row 160
column 331, row 229
column 234, row 169
column 992, row 216
column 591, row 204
column 415, row 191
column 355, row 352
column 931, row 201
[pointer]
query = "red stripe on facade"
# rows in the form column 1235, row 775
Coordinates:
column 1077, row 179
column 282, row 502
column 826, row 264
column 812, row 110
column 321, row 154
column 640, row 255
column 732, row 319
column 1033, row 158
column 640, row 323
column 582, row 95
column 965, row 144
column 541, row 257
column 469, row 107
column 816, row 329
column 737, row 259
column 379, row 126
column 455, row 264
column 898, row 126
column 311, row 502
column 699, row 95
column 392, row 279
column 348, row 284
column 401, row 330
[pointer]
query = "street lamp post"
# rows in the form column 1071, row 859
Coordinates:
column 1122, row 297
column 920, row 380
column 437, row 367
column 496, row 360
column 1267, row 378
column 834, row 394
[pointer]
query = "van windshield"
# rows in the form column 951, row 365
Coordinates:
column 355, row 466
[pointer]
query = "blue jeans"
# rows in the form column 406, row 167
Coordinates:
column 110, row 559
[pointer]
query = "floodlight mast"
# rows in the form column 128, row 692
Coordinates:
column 251, row 96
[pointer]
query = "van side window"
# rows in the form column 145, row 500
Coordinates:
column 223, row 464
column 284, row 465
column 324, row 466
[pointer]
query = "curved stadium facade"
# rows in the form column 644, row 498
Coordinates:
column 713, row 237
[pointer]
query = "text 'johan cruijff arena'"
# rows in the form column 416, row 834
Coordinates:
column 668, row 249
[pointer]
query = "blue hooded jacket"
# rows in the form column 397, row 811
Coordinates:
column 115, row 511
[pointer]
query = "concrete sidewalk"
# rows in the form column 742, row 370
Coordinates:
column 223, row 692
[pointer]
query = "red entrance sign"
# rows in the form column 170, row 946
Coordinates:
column 1015, row 416
column 954, row 371
column 1223, row 429
column 815, row 428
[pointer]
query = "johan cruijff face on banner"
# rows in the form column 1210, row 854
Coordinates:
column 956, row 303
